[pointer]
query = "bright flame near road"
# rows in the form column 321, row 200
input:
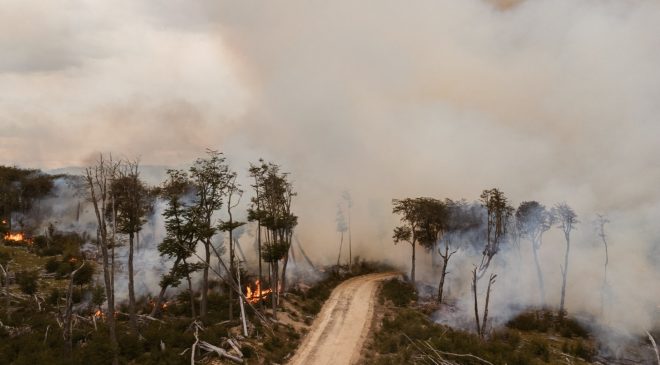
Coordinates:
column 257, row 295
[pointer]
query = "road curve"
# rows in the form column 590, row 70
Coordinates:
column 338, row 332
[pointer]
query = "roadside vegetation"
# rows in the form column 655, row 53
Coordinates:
column 405, row 334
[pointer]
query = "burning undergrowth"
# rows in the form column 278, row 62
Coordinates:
column 17, row 238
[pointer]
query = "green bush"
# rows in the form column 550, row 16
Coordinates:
column 52, row 265
column 399, row 292
column 27, row 281
column 540, row 350
column 544, row 321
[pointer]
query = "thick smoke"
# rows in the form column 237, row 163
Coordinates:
column 547, row 100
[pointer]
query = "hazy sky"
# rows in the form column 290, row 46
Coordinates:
column 555, row 100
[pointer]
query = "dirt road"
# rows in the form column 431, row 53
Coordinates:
column 339, row 331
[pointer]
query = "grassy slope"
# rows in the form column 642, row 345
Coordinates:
column 403, row 329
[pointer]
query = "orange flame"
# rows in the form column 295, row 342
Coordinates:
column 16, row 237
column 257, row 295
column 163, row 305
column 98, row 314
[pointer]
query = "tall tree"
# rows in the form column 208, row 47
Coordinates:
column 209, row 176
column 341, row 228
column 98, row 179
column 255, row 212
column 601, row 221
column 346, row 195
column 566, row 221
column 459, row 219
column 181, row 238
column 132, row 203
column 532, row 221
column 411, row 220
column 498, row 214
column 274, row 213
column 288, row 222
column 234, row 194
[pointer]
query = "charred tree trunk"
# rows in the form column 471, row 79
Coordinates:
column 68, row 310
column 192, row 294
column 412, row 269
column 350, row 243
column 231, row 268
column 443, row 274
column 261, row 276
column 110, row 297
column 284, row 265
column 131, row 285
column 205, row 279
column 5, row 273
column 341, row 243
column 484, row 323
column 539, row 273
column 274, row 289
column 476, row 303
column 441, row 286
column 163, row 289
column 564, row 273
column 155, row 311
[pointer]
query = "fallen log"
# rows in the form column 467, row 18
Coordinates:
column 234, row 345
column 220, row 351
column 141, row 316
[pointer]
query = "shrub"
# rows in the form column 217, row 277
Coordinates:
column 540, row 350
column 52, row 265
column 27, row 281
column 399, row 292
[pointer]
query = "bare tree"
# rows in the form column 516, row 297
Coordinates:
column 601, row 221
column 532, row 220
column 99, row 178
column 341, row 228
column 346, row 195
column 566, row 220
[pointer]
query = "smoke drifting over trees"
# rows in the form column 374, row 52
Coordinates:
column 549, row 100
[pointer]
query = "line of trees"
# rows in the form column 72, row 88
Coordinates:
column 194, row 201
column 446, row 227
column 20, row 190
